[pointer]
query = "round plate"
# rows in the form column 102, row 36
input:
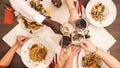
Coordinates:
column 82, row 54
column 28, row 29
column 110, row 9
column 25, row 54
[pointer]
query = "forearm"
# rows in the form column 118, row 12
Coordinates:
column 7, row 58
column 72, row 11
column 60, row 64
column 70, row 4
column 69, row 62
column 25, row 10
column 108, row 59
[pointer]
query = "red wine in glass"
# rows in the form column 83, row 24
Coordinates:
column 81, row 24
column 65, row 41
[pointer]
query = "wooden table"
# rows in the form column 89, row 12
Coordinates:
column 113, row 29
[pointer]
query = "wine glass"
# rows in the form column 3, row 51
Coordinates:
column 81, row 23
column 67, row 29
column 77, row 37
column 80, row 32
column 65, row 41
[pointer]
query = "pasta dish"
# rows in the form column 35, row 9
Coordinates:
column 37, row 52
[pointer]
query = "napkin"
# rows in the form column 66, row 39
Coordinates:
column 100, row 37
column 8, row 15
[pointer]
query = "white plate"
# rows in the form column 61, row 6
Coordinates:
column 82, row 54
column 28, row 29
column 110, row 8
column 25, row 54
column 56, row 13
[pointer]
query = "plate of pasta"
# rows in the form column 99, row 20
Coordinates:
column 36, row 53
column 101, row 13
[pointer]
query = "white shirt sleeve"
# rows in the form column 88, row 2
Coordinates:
column 23, row 8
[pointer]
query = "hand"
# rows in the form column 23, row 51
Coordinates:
column 20, row 40
column 88, row 45
column 69, row 54
column 71, row 51
column 73, row 16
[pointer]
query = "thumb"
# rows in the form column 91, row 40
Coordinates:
column 83, row 46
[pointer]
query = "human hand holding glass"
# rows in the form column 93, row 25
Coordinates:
column 88, row 45
column 67, row 54
column 73, row 15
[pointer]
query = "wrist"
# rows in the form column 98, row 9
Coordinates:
column 73, row 10
column 96, row 49
column 16, row 45
column 70, row 58
column 59, row 65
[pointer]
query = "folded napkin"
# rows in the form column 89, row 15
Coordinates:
column 8, row 15
column 101, row 38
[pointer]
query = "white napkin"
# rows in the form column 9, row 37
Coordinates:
column 101, row 38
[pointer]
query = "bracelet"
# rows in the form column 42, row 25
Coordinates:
column 95, row 50
column 72, row 9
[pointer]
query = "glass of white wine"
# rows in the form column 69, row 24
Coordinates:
column 67, row 29
column 77, row 37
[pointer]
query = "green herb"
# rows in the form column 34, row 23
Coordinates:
column 101, row 11
column 31, row 32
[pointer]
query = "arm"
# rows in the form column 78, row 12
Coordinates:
column 108, row 59
column 70, row 4
column 72, row 11
column 7, row 58
column 5, row 61
column 23, row 8
column 73, row 50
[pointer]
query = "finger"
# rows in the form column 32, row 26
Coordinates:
column 61, row 52
column 83, row 46
column 76, row 49
column 68, row 50
column 85, row 43
column 25, row 40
